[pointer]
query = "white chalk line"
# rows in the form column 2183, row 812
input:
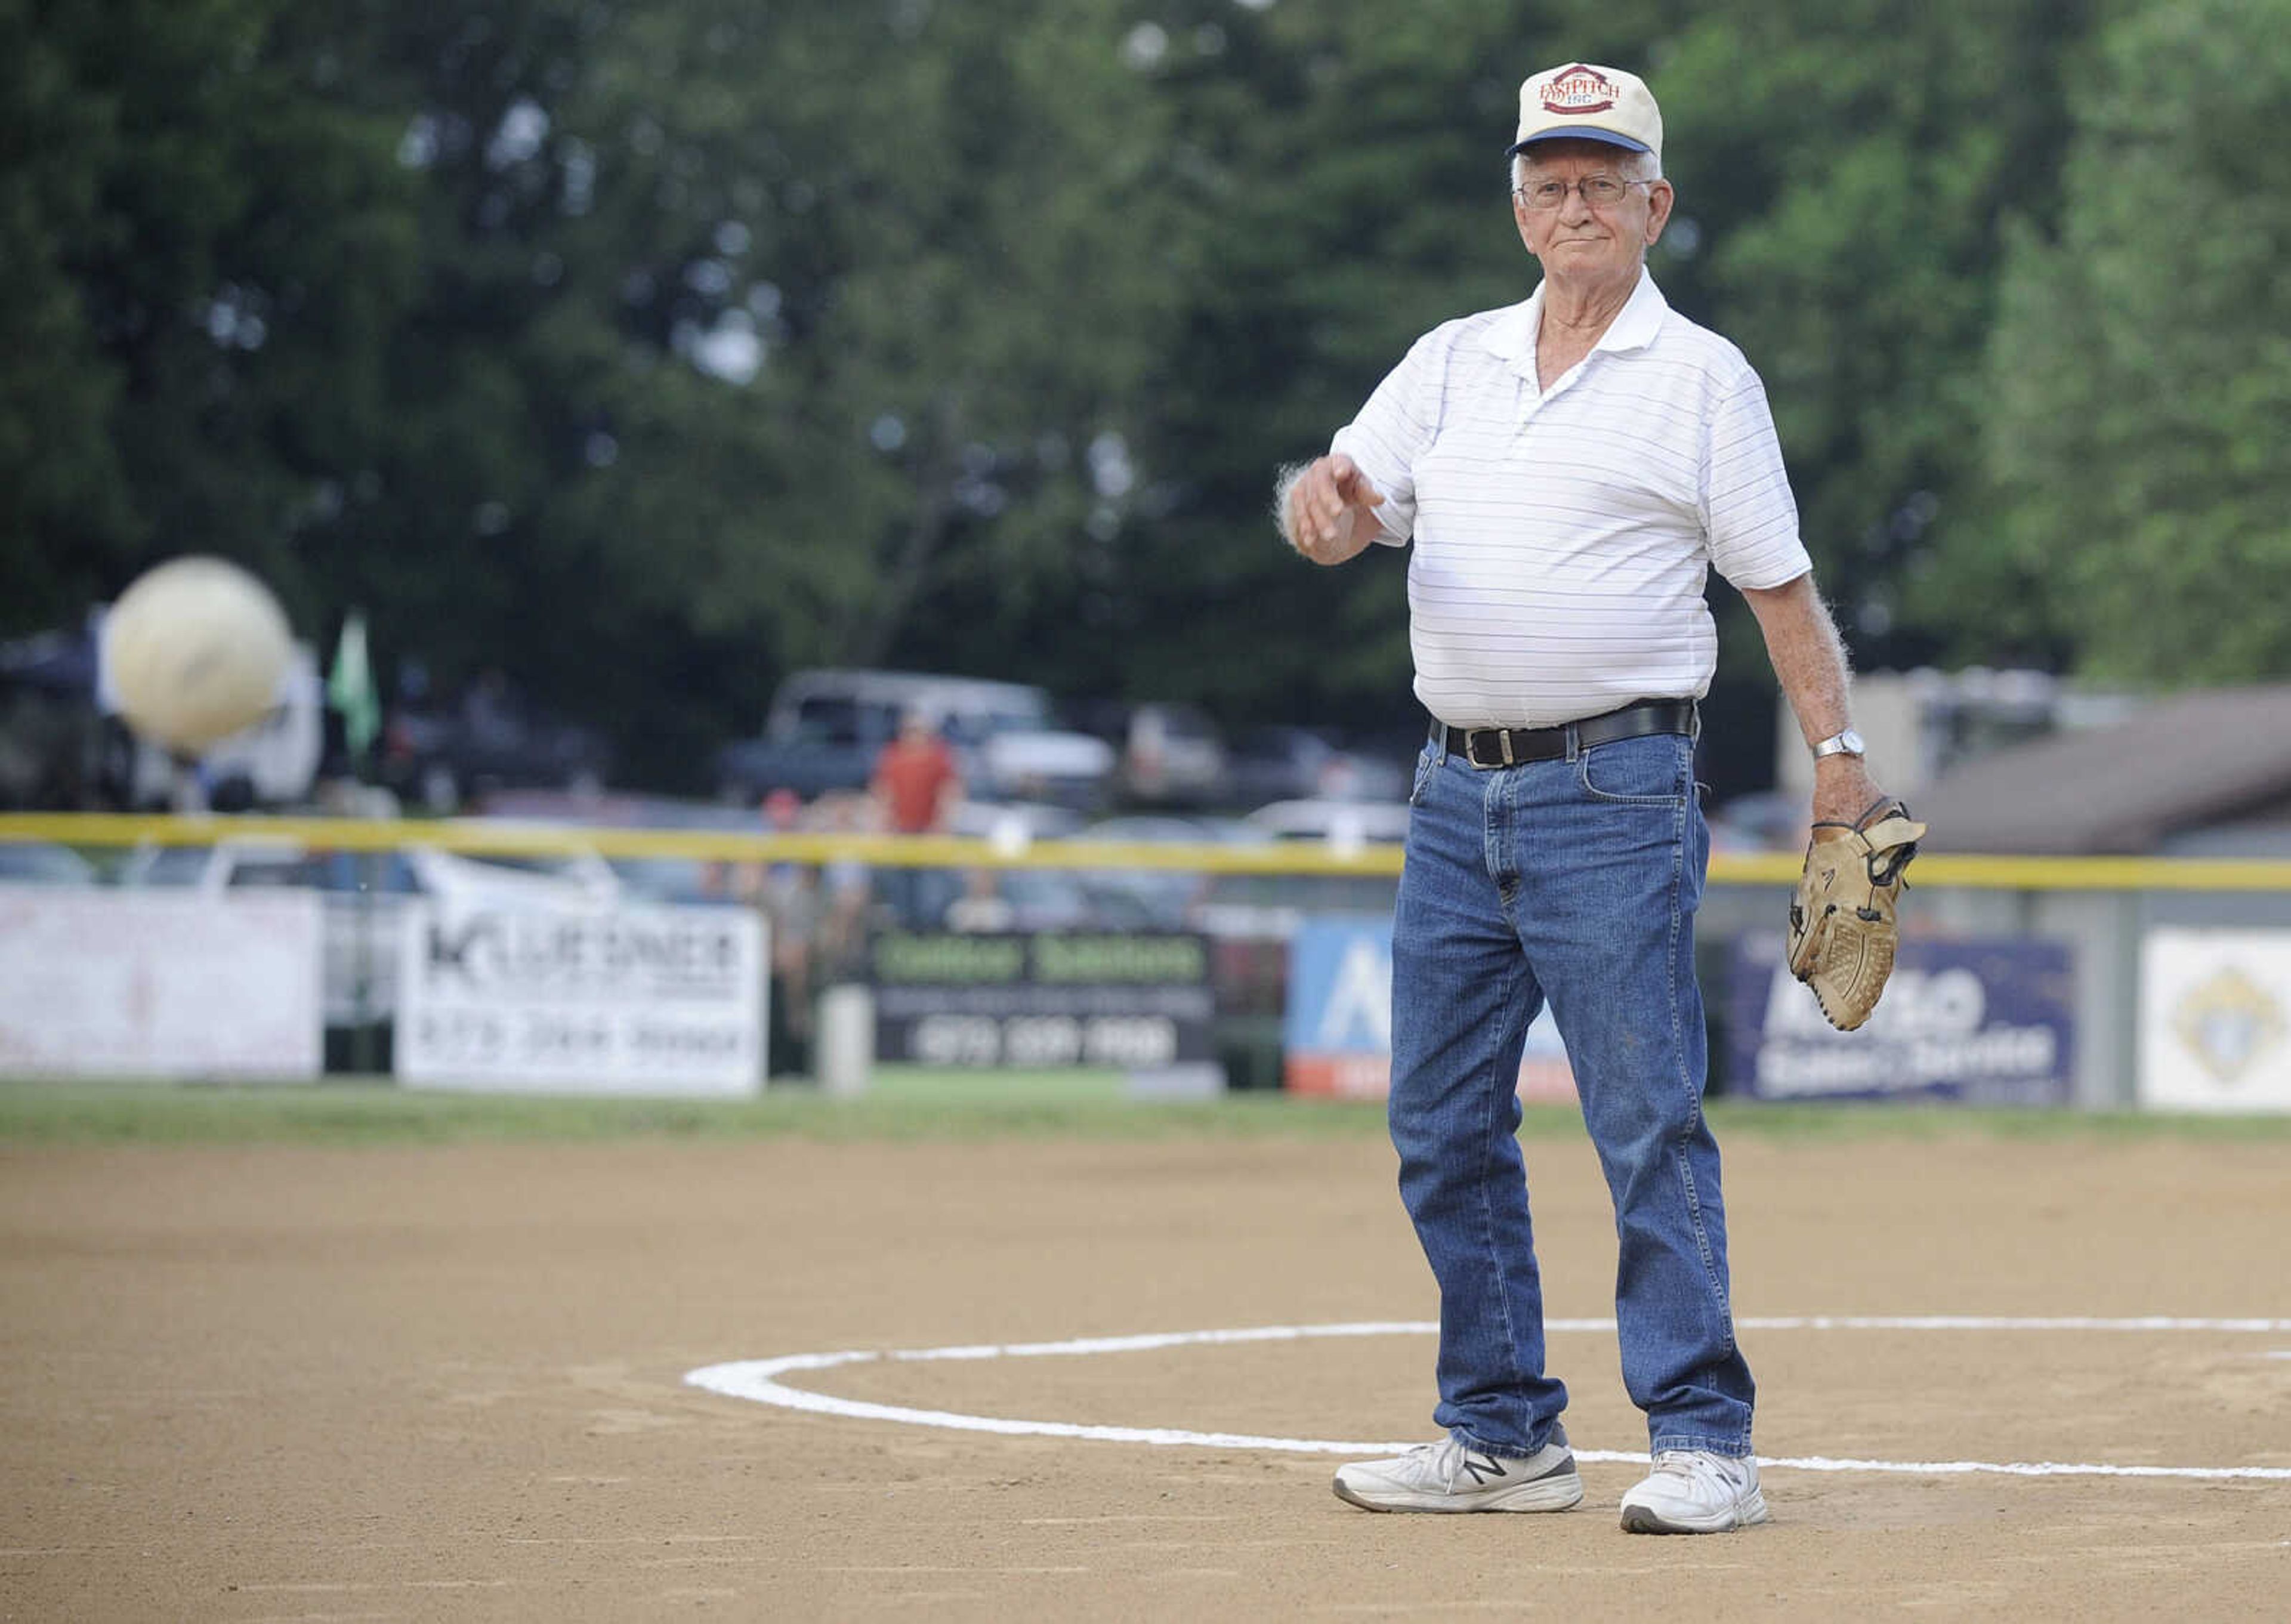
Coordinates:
column 758, row 1381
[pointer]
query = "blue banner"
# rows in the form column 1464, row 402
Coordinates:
column 1989, row 1022
column 1337, row 1032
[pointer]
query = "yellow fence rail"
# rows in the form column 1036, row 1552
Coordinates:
column 483, row 837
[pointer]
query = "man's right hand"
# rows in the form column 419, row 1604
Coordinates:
column 1327, row 515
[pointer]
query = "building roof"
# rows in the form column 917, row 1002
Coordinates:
column 2176, row 765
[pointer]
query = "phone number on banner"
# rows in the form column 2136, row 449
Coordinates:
column 1043, row 1039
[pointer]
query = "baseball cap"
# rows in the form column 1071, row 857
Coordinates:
column 1587, row 102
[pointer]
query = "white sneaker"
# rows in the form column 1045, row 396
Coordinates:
column 1447, row 1477
column 1693, row 1491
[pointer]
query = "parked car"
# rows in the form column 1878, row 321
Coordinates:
column 645, row 879
column 1288, row 763
column 1765, row 820
column 826, row 727
column 45, row 863
column 1050, row 764
column 1171, row 829
column 53, row 743
column 364, row 896
column 1021, row 899
column 1014, row 822
column 1167, row 895
column 1344, row 824
column 1172, row 755
column 443, row 758
column 63, row 745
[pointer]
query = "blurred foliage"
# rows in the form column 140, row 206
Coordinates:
column 645, row 349
column 204, row 251
column 2140, row 369
column 1846, row 170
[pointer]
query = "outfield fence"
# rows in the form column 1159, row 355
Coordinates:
column 2092, row 982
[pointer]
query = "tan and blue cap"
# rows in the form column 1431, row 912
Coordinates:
column 1583, row 102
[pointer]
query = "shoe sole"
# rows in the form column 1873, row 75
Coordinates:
column 1556, row 1490
column 1743, row 1513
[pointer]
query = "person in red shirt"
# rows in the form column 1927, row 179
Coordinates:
column 916, row 784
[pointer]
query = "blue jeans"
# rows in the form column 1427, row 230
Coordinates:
column 1573, row 882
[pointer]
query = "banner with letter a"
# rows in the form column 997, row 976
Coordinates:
column 1336, row 1033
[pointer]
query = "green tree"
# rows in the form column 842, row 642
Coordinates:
column 197, row 245
column 60, row 492
column 2141, row 370
column 646, row 349
column 1845, row 170
column 642, row 351
column 749, row 339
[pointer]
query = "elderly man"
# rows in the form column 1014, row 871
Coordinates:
column 1568, row 470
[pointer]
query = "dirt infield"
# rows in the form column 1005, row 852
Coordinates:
column 276, row 1382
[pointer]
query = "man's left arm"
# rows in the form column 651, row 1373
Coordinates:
column 1809, row 660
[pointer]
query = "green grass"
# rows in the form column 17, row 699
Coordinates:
column 917, row 1104
column 912, row 1105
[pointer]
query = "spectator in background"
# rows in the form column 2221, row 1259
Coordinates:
column 793, row 899
column 915, row 789
column 916, row 784
column 847, row 905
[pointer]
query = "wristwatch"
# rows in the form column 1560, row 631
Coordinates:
column 1845, row 743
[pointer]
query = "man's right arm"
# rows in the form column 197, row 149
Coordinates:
column 1326, row 508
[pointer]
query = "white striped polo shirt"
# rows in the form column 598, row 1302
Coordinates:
column 1563, row 538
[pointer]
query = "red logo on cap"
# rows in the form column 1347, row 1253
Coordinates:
column 1579, row 89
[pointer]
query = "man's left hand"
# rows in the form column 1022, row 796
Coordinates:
column 1843, row 933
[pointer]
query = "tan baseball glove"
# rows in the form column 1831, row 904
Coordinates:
column 1841, row 934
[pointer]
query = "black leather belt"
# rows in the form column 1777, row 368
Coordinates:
column 1510, row 746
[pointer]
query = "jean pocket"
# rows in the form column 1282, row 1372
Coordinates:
column 1653, row 771
column 1428, row 762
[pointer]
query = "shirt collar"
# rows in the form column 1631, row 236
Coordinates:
column 1512, row 334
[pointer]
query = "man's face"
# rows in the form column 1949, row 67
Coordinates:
column 1576, row 240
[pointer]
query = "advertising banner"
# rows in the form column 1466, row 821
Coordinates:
column 1336, row 1033
column 159, row 984
column 527, row 997
column 1990, row 1022
column 992, row 998
column 2215, row 1020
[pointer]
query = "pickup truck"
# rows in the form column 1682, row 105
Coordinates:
column 825, row 728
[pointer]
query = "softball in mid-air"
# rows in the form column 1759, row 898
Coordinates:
column 194, row 652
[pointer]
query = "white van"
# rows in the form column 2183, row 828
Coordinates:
column 274, row 763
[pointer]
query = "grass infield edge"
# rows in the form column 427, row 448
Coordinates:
column 924, row 1106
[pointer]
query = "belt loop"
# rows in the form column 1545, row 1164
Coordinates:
column 1574, row 741
column 1504, row 734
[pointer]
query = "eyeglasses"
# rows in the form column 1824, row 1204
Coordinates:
column 1600, row 192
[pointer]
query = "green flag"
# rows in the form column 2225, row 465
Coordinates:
column 350, row 689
